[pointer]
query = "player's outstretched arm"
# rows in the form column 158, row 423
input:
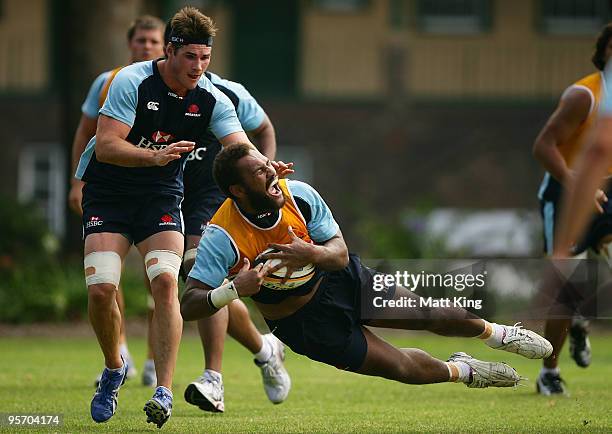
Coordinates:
column 85, row 131
column 194, row 304
column 573, row 109
column 264, row 137
column 112, row 148
column 577, row 209
column 236, row 137
column 200, row 300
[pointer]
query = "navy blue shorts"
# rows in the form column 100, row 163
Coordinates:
column 198, row 210
column 328, row 328
column 550, row 207
column 135, row 217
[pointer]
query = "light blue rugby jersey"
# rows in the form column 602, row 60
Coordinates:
column 133, row 97
column 250, row 113
column 91, row 105
column 217, row 255
column 606, row 103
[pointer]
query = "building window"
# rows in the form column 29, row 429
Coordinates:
column 454, row 16
column 574, row 16
column 341, row 5
column 42, row 182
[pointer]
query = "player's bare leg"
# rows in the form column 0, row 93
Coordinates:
column 162, row 255
column 451, row 321
column 241, row 327
column 103, row 309
column 555, row 330
column 212, row 335
column 414, row 366
column 149, row 377
column 104, row 253
column 167, row 323
column 121, row 304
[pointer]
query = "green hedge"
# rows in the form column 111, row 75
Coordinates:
column 36, row 283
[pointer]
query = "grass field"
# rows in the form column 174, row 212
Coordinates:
column 43, row 375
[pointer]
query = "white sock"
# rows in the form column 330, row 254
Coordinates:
column 213, row 375
column 123, row 349
column 120, row 369
column 553, row 371
column 149, row 364
column 462, row 372
column 266, row 350
column 497, row 334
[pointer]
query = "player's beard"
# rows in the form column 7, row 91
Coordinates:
column 262, row 202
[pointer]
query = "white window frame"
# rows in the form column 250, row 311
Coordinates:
column 53, row 207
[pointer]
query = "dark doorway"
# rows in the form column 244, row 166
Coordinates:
column 265, row 47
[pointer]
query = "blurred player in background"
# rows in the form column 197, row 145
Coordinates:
column 145, row 42
column 321, row 318
column 155, row 113
column 557, row 148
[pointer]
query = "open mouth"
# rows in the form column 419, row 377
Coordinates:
column 194, row 76
column 274, row 188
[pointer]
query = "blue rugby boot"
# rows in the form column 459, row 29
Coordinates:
column 159, row 407
column 104, row 402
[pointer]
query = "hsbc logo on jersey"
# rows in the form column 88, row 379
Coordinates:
column 194, row 111
column 93, row 221
column 166, row 220
column 159, row 141
column 196, row 154
column 161, row 137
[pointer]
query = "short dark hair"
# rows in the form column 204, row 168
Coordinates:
column 224, row 168
column 145, row 22
column 167, row 32
column 191, row 24
column 598, row 58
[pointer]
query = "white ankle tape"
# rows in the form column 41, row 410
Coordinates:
column 102, row 267
column 162, row 261
column 222, row 296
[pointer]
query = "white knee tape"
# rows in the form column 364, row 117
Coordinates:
column 102, row 267
column 162, row 261
column 190, row 255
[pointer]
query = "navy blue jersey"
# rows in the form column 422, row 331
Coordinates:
column 198, row 168
column 139, row 98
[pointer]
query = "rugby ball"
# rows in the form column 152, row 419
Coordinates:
column 273, row 280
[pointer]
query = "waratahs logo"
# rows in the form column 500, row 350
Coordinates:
column 193, row 110
column 166, row 220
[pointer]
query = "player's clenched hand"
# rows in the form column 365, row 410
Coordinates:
column 75, row 196
column 248, row 281
column 297, row 254
column 600, row 200
column 282, row 169
column 172, row 152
